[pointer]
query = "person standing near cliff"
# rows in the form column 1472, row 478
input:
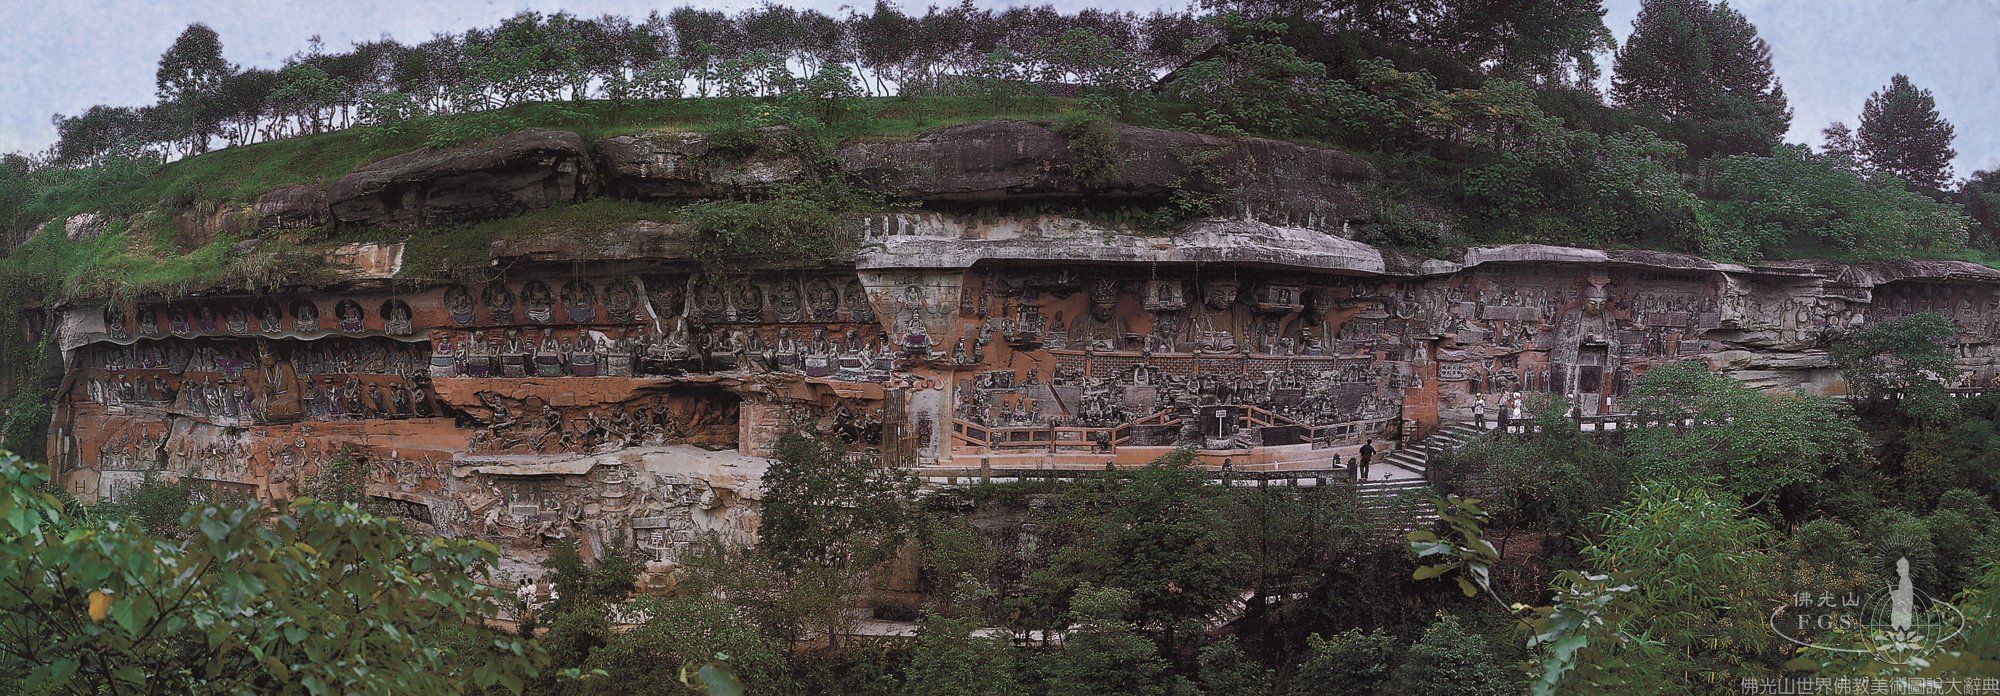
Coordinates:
column 1367, row 454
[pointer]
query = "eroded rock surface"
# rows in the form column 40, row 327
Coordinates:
column 688, row 165
column 292, row 207
column 84, row 226
column 1024, row 161
column 511, row 174
column 973, row 164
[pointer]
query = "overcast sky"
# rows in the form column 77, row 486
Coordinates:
column 66, row 55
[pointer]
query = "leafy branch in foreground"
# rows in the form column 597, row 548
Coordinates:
column 312, row 597
column 1564, row 633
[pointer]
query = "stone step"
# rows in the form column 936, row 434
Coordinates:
column 1395, row 487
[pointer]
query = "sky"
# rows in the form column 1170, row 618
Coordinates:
column 62, row 56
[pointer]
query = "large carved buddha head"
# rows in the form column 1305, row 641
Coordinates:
column 1103, row 298
column 1593, row 300
column 1319, row 299
column 1219, row 294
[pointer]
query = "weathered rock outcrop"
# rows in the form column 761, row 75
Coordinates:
column 919, row 241
column 514, row 173
column 1025, row 161
column 200, row 223
column 990, row 162
column 639, row 239
column 292, row 207
column 84, row 226
column 688, row 165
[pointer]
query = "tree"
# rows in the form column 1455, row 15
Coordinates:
column 824, row 509
column 190, row 73
column 1552, row 42
column 1702, row 68
column 1902, row 134
column 307, row 91
column 587, row 586
column 1837, row 143
column 1226, row 671
column 1980, row 194
column 1907, row 355
column 1451, row 660
column 1104, row 655
column 1706, row 583
column 1698, row 425
column 1163, row 541
column 948, row 659
column 1550, row 479
column 1956, row 452
column 155, row 506
column 1099, row 61
column 100, row 135
column 686, row 632
column 1796, row 202
column 1358, row 661
column 1255, row 82
column 1673, row 598
column 307, row 597
column 883, row 42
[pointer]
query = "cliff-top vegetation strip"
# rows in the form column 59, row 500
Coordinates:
column 1482, row 135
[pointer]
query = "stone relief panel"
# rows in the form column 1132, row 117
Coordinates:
column 636, row 405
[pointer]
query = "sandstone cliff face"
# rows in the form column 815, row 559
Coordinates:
column 977, row 164
column 686, row 166
column 514, row 173
column 605, row 389
column 292, row 207
column 201, row 223
column 992, row 161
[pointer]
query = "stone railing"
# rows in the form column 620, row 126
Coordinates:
column 1299, row 478
column 1107, row 439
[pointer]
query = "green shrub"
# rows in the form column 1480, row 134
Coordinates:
column 1093, row 148
column 1794, row 202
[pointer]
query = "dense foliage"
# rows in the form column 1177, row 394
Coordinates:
column 1727, row 501
column 310, row 596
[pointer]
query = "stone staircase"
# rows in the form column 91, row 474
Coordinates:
column 1398, row 498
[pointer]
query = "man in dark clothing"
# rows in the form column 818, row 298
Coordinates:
column 1367, row 453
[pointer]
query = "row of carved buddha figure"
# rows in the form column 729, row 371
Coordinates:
column 1322, row 394
column 819, row 299
column 228, row 359
column 204, row 397
column 662, row 350
column 267, row 315
column 365, row 399
column 1277, row 320
column 238, row 401
column 1966, row 304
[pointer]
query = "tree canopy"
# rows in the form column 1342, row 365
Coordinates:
column 1902, row 134
column 1701, row 66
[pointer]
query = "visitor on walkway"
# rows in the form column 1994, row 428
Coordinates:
column 1367, row 453
column 1479, row 412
